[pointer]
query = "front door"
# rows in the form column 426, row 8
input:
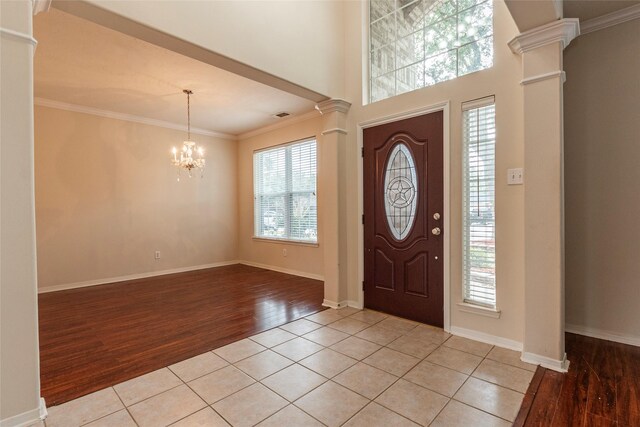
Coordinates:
column 403, row 218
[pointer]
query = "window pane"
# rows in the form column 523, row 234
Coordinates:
column 445, row 38
column 466, row 4
column 440, row 36
column 383, row 87
column 410, row 18
column 438, row 10
column 410, row 49
column 273, row 175
column 303, row 167
column 383, row 32
column 410, row 78
column 383, row 60
column 380, row 8
column 475, row 56
column 285, row 205
column 475, row 23
column 440, row 68
column 272, row 214
column 479, row 206
column 304, row 214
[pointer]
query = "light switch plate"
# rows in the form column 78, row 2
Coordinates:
column 515, row 176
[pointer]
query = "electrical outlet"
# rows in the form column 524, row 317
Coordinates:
column 515, row 176
column 157, row 255
column 284, row 252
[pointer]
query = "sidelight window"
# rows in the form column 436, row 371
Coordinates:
column 418, row 43
column 478, row 202
column 285, row 202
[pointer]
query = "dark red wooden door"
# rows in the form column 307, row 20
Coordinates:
column 403, row 218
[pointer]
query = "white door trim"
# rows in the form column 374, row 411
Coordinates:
column 446, row 163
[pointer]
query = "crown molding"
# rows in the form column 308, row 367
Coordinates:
column 42, row 102
column 562, row 30
column 610, row 19
column 331, row 105
column 280, row 124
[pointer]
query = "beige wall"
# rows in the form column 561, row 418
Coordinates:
column 602, row 152
column 303, row 259
column 301, row 42
column 107, row 198
column 19, row 362
column 503, row 81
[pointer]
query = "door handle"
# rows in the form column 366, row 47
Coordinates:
column 436, row 231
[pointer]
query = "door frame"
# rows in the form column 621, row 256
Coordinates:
column 446, row 165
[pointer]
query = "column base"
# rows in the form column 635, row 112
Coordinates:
column 561, row 365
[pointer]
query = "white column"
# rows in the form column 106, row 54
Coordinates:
column 19, row 369
column 541, row 50
column 334, row 135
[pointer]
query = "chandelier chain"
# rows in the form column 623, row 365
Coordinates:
column 189, row 115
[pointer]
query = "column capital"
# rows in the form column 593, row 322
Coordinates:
column 331, row 105
column 562, row 30
column 40, row 6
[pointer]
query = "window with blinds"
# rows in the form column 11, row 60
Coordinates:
column 479, row 220
column 285, row 203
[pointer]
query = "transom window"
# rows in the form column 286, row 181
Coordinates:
column 418, row 43
column 285, row 203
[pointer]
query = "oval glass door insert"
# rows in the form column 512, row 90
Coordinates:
column 401, row 191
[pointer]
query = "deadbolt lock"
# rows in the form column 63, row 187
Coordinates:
column 436, row 216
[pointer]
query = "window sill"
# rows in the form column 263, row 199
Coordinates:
column 479, row 310
column 285, row 241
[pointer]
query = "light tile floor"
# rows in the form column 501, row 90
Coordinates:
column 337, row 367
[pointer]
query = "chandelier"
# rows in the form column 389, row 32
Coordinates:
column 187, row 160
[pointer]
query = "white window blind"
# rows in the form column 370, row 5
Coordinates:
column 285, row 204
column 479, row 224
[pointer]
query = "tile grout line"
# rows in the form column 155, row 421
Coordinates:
column 207, row 405
column 126, row 408
column 111, row 413
column 403, row 333
column 332, row 379
column 470, row 375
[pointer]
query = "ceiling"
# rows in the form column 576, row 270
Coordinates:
column 81, row 63
column 589, row 9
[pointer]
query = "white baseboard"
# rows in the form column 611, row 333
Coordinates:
column 546, row 362
column 355, row 304
column 43, row 409
column 26, row 418
column 602, row 334
column 486, row 338
column 132, row 277
column 282, row 270
column 334, row 304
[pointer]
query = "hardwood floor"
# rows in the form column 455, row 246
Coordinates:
column 95, row 337
column 602, row 387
